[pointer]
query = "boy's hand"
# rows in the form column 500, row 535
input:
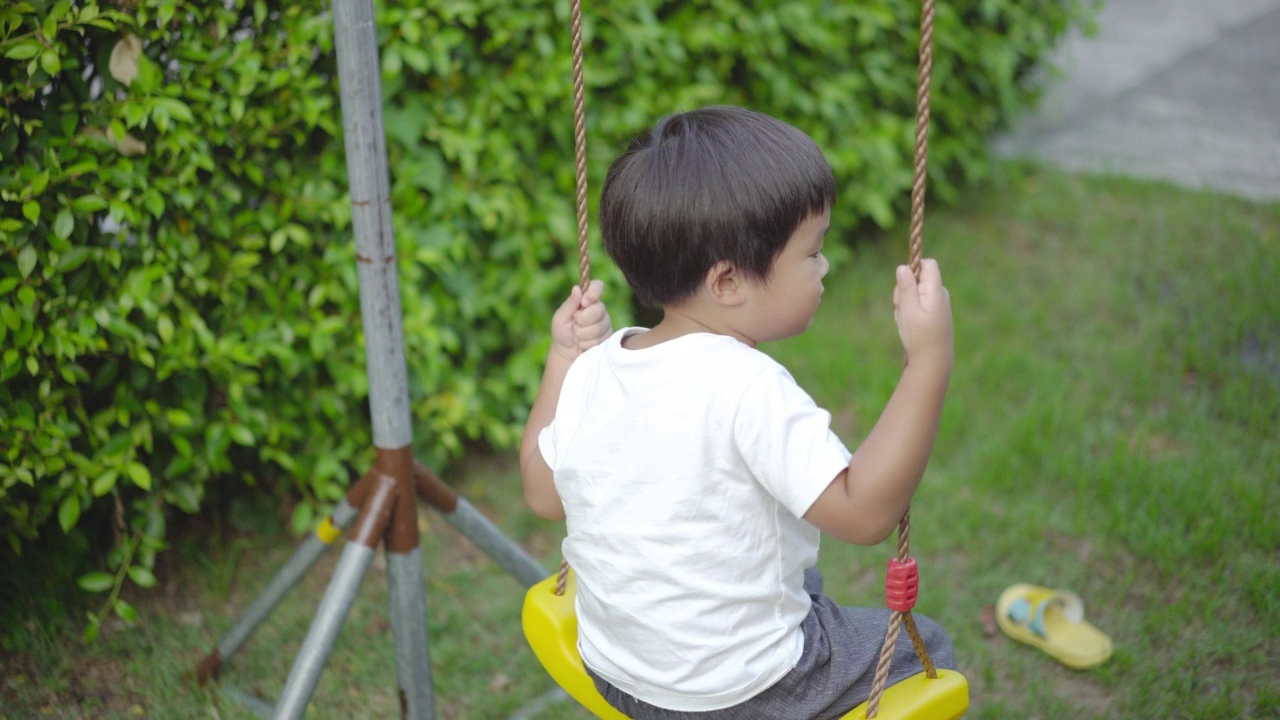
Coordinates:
column 581, row 322
column 922, row 311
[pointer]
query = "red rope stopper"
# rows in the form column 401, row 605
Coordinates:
column 902, row 584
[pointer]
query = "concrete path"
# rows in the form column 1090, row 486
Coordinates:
column 1186, row 91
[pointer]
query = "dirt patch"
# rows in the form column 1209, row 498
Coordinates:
column 93, row 688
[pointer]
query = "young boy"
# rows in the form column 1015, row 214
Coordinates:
column 693, row 472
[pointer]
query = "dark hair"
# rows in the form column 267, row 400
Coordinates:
column 720, row 183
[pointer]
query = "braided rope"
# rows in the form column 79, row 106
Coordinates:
column 882, row 667
column 897, row 620
column 580, row 141
column 922, row 135
column 922, row 652
column 580, row 158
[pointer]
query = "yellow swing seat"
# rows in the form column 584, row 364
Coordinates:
column 551, row 628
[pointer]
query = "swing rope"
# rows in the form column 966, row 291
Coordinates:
column 899, row 617
column 580, row 142
column 904, row 617
column 580, row 155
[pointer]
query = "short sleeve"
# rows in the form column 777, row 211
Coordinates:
column 786, row 441
column 547, row 444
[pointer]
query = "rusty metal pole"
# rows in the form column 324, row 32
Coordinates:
column 389, row 509
column 382, row 505
column 293, row 571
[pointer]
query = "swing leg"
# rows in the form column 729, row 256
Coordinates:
column 477, row 528
column 409, row 633
column 293, row 571
column 329, row 617
column 388, row 513
column 408, row 601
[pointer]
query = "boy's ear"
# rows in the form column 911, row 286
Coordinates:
column 725, row 283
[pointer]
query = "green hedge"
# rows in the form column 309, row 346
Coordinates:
column 178, row 296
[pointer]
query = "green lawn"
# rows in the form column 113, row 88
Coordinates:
column 1111, row 428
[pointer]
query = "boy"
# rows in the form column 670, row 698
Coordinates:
column 694, row 474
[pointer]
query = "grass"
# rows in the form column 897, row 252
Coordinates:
column 1111, row 428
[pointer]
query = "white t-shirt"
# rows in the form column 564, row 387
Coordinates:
column 684, row 470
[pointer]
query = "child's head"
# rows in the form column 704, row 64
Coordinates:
column 711, row 185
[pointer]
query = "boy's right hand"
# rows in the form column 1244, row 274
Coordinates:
column 581, row 322
column 922, row 311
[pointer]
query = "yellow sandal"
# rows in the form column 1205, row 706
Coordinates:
column 1052, row 620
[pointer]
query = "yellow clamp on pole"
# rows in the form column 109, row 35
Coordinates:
column 328, row 532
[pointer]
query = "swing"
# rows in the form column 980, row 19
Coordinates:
column 551, row 628
column 548, row 617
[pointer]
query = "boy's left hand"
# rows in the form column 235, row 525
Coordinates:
column 581, row 322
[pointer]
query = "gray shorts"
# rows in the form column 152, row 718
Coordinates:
column 834, row 673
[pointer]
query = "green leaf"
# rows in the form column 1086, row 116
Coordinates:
column 96, row 581
column 177, row 109
column 150, row 76
column 241, row 435
column 24, row 50
column 154, row 203
column 139, row 474
column 124, row 610
column 142, row 576
column 164, row 328
column 303, row 518
column 39, row 183
column 104, row 483
column 86, row 204
column 178, row 417
column 26, row 261
column 69, row 512
column 50, row 61
column 73, row 258
column 31, row 210
column 91, row 630
column 50, row 28
column 64, row 224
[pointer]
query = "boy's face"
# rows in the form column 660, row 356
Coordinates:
column 784, row 305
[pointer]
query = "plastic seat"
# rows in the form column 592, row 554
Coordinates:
column 551, row 629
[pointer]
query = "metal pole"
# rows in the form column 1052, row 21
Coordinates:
column 502, row 550
column 409, row 631
column 293, row 571
column 383, row 500
column 360, row 84
column 315, row 650
column 260, row 708
column 303, row 559
column 388, row 512
column 477, row 528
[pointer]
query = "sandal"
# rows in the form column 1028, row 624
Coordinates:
column 1052, row 620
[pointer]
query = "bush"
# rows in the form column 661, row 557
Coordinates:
column 180, row 305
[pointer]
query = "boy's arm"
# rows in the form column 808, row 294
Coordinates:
column 580, row 323
column 539, row 490
column 865, row 501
